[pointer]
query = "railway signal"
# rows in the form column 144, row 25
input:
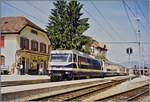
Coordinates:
column 129, row 51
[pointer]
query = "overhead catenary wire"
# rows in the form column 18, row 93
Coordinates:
column 134, row 15
column 140, row 9
column 36, row 8
column 129, row 19
column 99, row 24
column 10, row 5
column 131, row 42
column 105, row 19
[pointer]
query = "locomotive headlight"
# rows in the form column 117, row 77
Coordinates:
column 67, row 72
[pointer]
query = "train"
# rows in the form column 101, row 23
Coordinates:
column 73, row 64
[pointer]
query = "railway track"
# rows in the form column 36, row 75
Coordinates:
column 140, row 96
column 81, row 94
column 136, row 94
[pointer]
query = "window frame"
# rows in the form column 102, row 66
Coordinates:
column 33, row 43
column 24, row 43
column 43, row 48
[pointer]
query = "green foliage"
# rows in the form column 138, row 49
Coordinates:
column 65, row 27
column 101, row 57
column 85, row 41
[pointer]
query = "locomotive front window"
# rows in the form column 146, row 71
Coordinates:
column 59, row 57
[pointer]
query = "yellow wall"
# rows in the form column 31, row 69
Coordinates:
column 40, row 37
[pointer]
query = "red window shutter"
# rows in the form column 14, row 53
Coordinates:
column 2, row 41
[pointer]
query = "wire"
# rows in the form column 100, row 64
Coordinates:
column 126, row 11
column 40, row 10
column 132, row 42
column 129, row 8
column 105, row 19
column 24, row 12
column 140, row 9
column 138, row 6
column 134, row 15
column 99, row 25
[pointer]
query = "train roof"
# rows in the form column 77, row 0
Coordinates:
column 73, row 51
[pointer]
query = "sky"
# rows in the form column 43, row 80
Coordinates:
column 108, row 21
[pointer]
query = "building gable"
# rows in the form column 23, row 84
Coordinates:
column 11, row 25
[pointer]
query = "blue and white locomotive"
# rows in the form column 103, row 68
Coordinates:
column 72, row 64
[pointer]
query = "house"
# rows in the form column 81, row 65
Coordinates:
column 98, row 48
column 24, row 46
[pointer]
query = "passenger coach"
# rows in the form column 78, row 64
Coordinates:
column 72, row 64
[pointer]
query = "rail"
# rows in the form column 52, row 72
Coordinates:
column 127, row 95
column 138, row 96
column 82, row 93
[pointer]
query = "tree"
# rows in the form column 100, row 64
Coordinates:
column 85, row 44
column 56, row 25
column 101, row 57
column 66, row 27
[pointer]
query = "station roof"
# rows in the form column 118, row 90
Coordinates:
column 14, row 24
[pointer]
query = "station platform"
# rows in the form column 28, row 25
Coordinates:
column 13, row 80
column 6, row 78
column 128, row 85
column 33, row 91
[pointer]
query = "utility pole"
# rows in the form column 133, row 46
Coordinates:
column 143, row 62
column 139, row 43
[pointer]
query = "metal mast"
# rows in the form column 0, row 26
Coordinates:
column 139, row 43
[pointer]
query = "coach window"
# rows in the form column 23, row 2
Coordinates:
column 79, row 61
column 74, row 58
column 70, row 58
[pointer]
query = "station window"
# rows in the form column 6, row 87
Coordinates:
column 24, row 43
column 42, row 47
column 34, row 45
column 34, row 31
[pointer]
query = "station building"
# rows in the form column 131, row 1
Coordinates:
column 23, row 43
